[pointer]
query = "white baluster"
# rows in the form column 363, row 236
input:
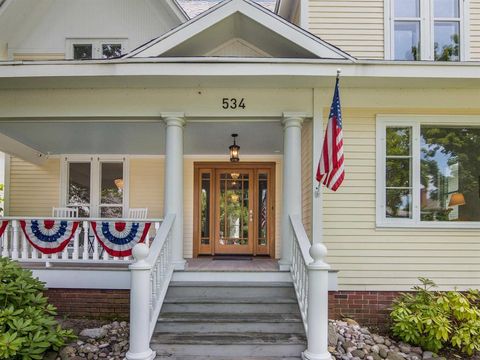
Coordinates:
column 95, row 248
column 85, row 254
column 16, row 238
column 6, row 234
column 76, row 238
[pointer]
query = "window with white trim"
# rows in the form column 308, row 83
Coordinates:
column 428, row 173
column 87, row 49
column 426, row 30
column 97, row 186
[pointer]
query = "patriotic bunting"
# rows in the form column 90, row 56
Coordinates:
column 3, row 226
column 119, row 238
column 49, row 236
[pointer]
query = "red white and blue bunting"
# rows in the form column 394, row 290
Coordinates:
column 119, row 238
column 3, row 226
column 49, row 236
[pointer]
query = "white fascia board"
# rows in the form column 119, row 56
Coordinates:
column 22, row 151
column 184, row 67
column 251, row 10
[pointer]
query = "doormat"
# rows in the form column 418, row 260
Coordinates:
column 234, row 258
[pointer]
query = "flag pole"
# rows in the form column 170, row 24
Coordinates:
column 317, row 189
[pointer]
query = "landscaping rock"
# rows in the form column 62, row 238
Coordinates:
column 97, row 333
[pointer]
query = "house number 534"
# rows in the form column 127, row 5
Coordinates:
column 233, row 103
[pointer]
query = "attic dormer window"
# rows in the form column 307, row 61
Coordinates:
column 86, row 49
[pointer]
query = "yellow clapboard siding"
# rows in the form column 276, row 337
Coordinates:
column 34, row 190
column 387, row 258
column 475, row 30
column 355, row 26
column 146, row 185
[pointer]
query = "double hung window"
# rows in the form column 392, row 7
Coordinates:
column 426, row 30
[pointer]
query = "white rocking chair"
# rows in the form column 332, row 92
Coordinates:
column 65, row 213
column 137, row 213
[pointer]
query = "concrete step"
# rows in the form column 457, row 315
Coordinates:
column 227, row 352
column 209, row 327
column 275, row 318
column 218, row 344
column 218, row 307
column 213, row 290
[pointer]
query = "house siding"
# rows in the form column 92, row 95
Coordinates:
column 475, row 30
column 147, row 184
column 34, row 190
column 355, row 26
column 307, row 156
column 388, row 259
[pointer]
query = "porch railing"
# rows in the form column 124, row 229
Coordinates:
column 310, row 279
column 151, row 273
column 82, row 248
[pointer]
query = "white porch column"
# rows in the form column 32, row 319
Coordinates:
column 174, row 182
column 292, row 180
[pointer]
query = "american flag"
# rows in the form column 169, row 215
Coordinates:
column 331, row 171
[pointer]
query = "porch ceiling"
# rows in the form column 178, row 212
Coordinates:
column 143, row 137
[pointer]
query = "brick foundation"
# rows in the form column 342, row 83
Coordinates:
column 369, row 308
column 91, row 303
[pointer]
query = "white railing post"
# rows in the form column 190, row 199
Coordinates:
column 5, row 248
column 140, row 306
column 317, row 314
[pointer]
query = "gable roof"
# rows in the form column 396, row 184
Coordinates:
column 241, row 19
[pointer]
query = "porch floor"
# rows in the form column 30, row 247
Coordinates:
column 254, row 264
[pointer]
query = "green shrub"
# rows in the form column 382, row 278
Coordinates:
column 27, row 325
column 433, row 319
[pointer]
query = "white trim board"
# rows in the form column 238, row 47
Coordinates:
column 250, row 9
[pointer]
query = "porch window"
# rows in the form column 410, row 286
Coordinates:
column 428, row 173
column 97, row 186
column 426, row 30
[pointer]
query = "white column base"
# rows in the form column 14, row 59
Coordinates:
column 284, row 265
column 308, row 356
column 147, row 355
column 179, row 265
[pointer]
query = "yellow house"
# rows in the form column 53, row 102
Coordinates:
column 137, row 124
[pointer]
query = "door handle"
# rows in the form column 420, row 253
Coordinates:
column 250, row 213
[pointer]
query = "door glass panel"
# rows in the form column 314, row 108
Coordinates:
column 262, row 209
column 234, row 209
column 205, row 209
column 79, row 187
column 111, row 212
column 111, row 192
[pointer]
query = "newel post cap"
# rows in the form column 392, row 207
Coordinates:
column 140, row 251
column 318, row 252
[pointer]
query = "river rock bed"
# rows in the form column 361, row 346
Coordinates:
column 109, row 342
column 348, row 340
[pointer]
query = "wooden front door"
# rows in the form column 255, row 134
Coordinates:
column 234, row 209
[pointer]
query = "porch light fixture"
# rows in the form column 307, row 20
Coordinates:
column 235, row 175
column 234, row 150
column 457, row 199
